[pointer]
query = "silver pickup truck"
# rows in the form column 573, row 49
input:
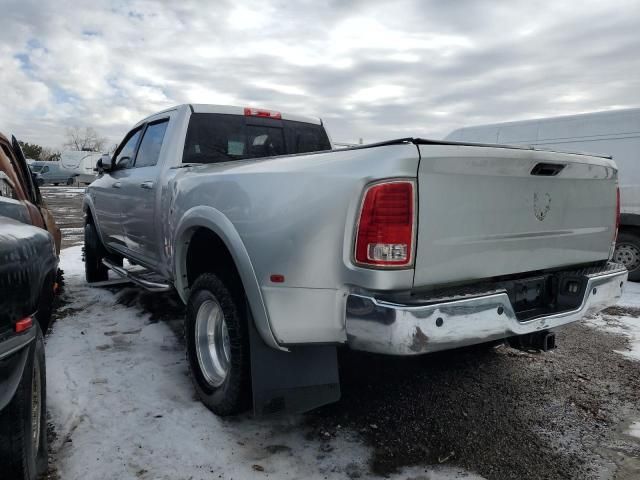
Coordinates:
column 284, row 249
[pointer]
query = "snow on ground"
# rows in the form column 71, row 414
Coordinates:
column 123, row 407
column 634, row 430
column 627, row 323
column 52, row 190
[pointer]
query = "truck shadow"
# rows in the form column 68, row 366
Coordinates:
column 499, row 412
column 166, row 307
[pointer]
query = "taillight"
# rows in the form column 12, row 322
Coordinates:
column 256, row 112
column 615, row 235
column 23, row 325
column 385, row 233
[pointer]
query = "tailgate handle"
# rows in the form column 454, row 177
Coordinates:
column 547, row 169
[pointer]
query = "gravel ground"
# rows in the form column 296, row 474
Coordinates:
column 66, row 205
column 498, row 412
column 502, row 413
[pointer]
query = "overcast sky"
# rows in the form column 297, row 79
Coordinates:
column 370, row 69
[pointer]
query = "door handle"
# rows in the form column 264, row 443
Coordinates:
column 148, row 184
column 117, row 185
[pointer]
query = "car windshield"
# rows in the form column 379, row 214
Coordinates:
column 215, row 138
column 36, row 168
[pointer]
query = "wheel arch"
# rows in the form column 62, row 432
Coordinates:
column 203, row 222
column 630, row 221
column 90, row 217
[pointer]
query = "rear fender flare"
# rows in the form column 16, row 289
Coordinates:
column 629, row 220
column 218, row 223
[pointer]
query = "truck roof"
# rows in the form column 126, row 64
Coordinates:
column 234, row 110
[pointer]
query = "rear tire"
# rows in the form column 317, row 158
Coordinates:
column 94, row 252
column 217, row 338
column 627, row 252
column 23, row 425
column 56, row 184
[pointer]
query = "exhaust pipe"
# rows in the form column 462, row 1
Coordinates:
column 542, row 341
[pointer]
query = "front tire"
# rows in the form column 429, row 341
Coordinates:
column 217, row 338
column 627, row 252
column 70, row 181
column 23, row 426
column 94, row 252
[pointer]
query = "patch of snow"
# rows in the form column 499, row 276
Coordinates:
column 634, row 430
column 630, row 295
column 123, row 407
column 626, row 325
column 53, row 190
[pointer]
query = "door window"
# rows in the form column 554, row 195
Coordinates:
column 149, row 150
column 127, row 150
column 6, row 190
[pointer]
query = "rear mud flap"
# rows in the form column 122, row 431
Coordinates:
column 297, row 381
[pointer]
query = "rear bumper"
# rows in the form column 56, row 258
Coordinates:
column 380, row 326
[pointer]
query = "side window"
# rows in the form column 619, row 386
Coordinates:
column 6, row 189
column 45, row 169
column 127, row 149
column 149, row 150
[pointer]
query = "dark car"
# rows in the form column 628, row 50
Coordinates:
column 28, row 263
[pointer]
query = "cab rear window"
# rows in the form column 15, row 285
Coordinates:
column 213, row 138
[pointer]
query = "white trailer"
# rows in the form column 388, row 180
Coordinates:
column 81, row 163
column 615, row 133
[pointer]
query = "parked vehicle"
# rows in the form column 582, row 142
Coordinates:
column 52, row 173
column 82, row 164
column 28, row 263
column 284, row 249
column 615, row 133
column 19, row 194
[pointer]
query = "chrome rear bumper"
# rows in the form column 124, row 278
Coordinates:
column 378, row 326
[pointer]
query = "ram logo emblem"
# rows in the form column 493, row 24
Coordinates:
column 541, row 205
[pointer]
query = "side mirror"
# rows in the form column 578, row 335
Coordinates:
column 103, row 164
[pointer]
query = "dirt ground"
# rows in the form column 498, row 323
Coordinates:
column 498, row 412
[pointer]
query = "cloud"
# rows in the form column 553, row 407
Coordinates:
column 371, row 69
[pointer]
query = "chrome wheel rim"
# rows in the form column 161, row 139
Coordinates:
column 627, row 254
column 36, row 410
column 213, row 347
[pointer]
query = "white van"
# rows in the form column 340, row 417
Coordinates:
column 52, row 173
column 81, row 163
column 615, row 133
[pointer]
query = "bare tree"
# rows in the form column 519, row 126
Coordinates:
column 49, row 154
column 84, row 139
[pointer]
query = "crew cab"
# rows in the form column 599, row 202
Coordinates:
column 284, row 249
column 27, row 259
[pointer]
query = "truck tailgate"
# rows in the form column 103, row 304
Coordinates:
column 484, row 213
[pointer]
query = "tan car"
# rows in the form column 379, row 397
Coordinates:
column 21, row 197
column 20, row 200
